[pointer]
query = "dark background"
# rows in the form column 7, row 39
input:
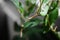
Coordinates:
column 3, row 26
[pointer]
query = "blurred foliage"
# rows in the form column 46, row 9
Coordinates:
column 32, row 23
column 53, row 15
column 47, row 9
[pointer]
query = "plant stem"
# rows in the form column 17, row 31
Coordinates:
column 53, row 29
column 33, row 16
column 21, row 33
column 37, row 11
column 21, row 15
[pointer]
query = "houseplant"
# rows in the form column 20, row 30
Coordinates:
column 37, row 12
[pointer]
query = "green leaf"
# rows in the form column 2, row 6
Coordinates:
column 18, row 5
column 53, row 5
column 21, row 8
column 45, row 7
column 32, row 23
column 53, row 15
